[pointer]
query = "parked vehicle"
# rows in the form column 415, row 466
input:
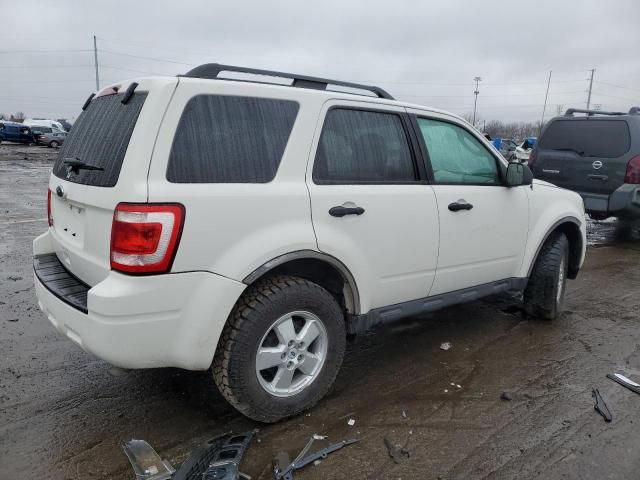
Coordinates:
column 40, row 122
column 65, row 124
column 523, row 151
column 253, row 226
column 51, row 137
column 598, row 156
column 15, row 132
column 507, row 148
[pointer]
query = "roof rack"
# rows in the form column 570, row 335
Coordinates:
column 571, row 111
column 213, row 70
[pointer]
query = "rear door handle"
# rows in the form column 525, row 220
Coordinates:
column 341, row 211
column 460, row 205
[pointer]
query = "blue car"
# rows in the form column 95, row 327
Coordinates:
column 16, row 133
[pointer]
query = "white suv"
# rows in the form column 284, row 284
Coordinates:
column 205, row 222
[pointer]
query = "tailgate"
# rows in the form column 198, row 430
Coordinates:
column 117, row 139
column 585, row 155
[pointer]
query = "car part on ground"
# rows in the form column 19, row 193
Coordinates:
column 625, row 382
column 146, row 463
column 283, row 470
column 398, row 454
column 218, row 459
column 600, row 406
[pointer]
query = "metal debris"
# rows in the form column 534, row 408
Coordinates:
column 146, row 463
column 399, row 455
column 625, row 382
column 600, row 406
column 283, row 470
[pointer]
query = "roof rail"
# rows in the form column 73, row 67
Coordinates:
column 634, row 111
column 571, row 111
column 213, row 70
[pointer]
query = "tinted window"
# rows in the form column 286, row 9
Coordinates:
column 225, row 139
column 591, row 138
column 456, row 155
column 100, row 137
column 358, row 146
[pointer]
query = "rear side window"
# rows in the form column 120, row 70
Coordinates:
column 589, row 138
column 360, row 146
column 100, row 138
column 229, row 139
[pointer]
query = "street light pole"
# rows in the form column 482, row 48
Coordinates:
column 475, row 102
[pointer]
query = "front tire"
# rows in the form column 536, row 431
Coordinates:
column 544, row 295
column 281, row 348
column 54, row 144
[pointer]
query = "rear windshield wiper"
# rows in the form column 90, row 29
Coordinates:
column 75, row 165
column 578, row 152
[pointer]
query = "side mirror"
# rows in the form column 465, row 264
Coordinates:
column 518, row 174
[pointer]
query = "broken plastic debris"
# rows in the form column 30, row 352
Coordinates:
column 625, row 382
column 319, row 437
column 445, row 345
column 404, row 414
column 351, row 422
column 398, row 454
column 446, row 391
column 600, row 406
column 458, row 386
column 146, row 463
column 506, row 396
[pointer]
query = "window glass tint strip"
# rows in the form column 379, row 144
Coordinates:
column 100, row 137
column 229, row 139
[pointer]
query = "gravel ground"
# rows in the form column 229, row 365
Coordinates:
column 64, row 414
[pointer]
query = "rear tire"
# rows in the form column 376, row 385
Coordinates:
column 253, row 328
column 544, row 295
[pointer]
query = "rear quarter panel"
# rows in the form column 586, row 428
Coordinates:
column 232, row 229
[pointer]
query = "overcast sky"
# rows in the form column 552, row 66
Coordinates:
column 425, row 52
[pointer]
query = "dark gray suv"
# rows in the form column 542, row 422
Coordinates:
column 596, row 155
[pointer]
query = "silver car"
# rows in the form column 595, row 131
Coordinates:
column 51, row 137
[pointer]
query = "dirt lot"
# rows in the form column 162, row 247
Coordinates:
column 64, row 414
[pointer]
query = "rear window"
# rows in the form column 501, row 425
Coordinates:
column 589, row 138
column 100, row 138
column 228, row 139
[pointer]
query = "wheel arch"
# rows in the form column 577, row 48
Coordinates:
column 570, row 226
column 321, row 268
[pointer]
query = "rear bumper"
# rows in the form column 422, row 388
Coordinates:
column 172, row 320
column 623, row 202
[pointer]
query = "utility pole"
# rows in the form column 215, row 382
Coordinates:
column 545, row 103
column 475, row 103
column 590, row 87
column 95, row 62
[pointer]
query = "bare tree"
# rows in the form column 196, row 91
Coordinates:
column 18, row 117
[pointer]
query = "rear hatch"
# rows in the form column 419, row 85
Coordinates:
column 104, row 161
column 588, row 155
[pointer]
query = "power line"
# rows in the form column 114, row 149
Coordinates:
column 615, row 96
column 45, row 66
column 147, row 58
column 616, row 85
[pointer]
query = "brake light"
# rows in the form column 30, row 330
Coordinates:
column 145, row 237
column 632, row 175
column 49, row 217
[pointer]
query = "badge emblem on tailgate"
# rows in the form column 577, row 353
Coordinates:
column 597, row 164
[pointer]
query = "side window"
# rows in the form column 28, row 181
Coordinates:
column 228, row 139
column 361, row 146
column 456, row 156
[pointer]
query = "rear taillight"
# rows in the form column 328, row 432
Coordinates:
column 632, row 175
column 145, row 237
column 49, row 217
column 532, row 158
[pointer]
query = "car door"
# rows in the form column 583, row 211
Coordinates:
column 483, row 224
column 371, row 204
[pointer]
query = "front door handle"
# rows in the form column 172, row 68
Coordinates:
column 341, row 211
column 460, row 205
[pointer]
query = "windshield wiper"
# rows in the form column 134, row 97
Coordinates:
column 75, row 165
